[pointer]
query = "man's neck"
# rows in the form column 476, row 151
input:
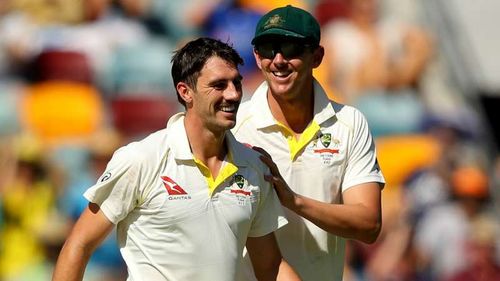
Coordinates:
column 207, row 146
column 296, row 113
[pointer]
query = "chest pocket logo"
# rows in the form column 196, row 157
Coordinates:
column 326, row 139
column 326, row 153
column 173, row 189
column 240, row 183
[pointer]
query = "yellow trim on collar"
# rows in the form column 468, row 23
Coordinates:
column 295, row 145
column 227, row 170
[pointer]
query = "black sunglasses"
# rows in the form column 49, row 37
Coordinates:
column 288, row 49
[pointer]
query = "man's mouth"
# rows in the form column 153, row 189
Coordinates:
column 281, row 74
column 230, row 108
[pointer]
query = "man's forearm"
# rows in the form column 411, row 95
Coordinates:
column 89, row 231
column 350, row 221
column 70, row 264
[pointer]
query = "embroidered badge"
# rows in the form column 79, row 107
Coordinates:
column 240, row 183
column 326, row 139
column 330, row 147
column 274, row 21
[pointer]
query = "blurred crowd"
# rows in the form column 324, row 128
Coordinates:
column 78, row 79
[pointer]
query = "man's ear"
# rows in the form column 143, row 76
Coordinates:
column 257, row 59
column 318, row 56
column 185, row 92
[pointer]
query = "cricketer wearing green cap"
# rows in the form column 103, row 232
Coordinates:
column 288, row 22
column 321, row 154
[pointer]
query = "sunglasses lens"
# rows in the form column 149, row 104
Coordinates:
column 291, row 50
column 266, row 50
column 288, row 49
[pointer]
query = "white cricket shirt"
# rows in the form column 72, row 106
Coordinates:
column 334, row 153
column 174, row 221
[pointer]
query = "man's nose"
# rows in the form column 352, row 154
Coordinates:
column 278, row 57
column 233, row 92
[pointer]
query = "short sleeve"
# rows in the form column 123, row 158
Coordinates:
column 117, row 189
column 362, row 164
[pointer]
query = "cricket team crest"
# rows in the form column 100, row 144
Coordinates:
column 239, row 180
column 330, row 147
column 239, row 185
column 274, row 21
column 326, row 139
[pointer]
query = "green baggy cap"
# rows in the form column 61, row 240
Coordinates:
column 288, row 21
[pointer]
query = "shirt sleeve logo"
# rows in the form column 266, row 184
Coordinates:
column 105, row 177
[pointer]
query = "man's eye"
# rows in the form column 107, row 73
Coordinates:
column 237, row 84
column 220, row 86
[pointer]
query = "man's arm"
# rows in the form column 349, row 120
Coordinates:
column 88, row 233
column 358, row 217
column 267, row 261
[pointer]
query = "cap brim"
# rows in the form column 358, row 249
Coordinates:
column 277, row 32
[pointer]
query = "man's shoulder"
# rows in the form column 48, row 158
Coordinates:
column 347, row 114
column 245, row 108
column 153, row 141
column 244, row 117
column 145, row 149
column 343, row 109
column 245, row 152
column 254, row 103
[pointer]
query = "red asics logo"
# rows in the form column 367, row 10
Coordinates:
column 172, row 187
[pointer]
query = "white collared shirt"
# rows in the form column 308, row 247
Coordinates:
column 174, row 221
column 334, row 153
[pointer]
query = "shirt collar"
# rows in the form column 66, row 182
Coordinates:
column 323, row 109
column 178, row 137
column 179, row 140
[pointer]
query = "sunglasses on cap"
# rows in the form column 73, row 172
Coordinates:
column 288, row 49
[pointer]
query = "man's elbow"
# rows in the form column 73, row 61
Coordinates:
column 370, row 234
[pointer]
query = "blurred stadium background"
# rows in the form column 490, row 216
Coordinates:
column 80, row 78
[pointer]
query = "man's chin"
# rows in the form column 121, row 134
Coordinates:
column 227, row 124
column 280, row 86
column 231, row 124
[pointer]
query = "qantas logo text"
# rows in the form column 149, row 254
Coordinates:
column 175, row 192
